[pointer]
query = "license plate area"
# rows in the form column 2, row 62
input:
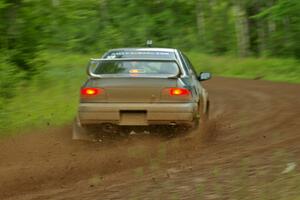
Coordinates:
column 133, row 117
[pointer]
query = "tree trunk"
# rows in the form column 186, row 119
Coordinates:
column 262, row 47
column 104, row 12
column 242, row 30
column 261, row 31
column 200, row 21
column 55, row 3
column 271, row 23
column 12, row 29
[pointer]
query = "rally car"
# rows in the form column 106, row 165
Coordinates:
column 140, row 87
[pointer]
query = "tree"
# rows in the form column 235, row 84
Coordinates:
column 242, row 28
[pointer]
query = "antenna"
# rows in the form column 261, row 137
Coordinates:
column 149, row 43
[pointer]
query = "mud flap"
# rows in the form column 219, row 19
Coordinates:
column 79, row 132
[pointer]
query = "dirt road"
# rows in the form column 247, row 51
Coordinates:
column 250, row 150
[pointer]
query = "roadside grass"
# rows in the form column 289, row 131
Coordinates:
column 273, row 69
column 51, row 97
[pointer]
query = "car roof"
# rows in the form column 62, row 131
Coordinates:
column 157, row 53
column 145, row 49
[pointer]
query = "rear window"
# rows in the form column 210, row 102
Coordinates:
column 140, row 54
column 135, row 68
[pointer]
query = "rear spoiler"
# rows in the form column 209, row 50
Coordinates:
column 96, row 60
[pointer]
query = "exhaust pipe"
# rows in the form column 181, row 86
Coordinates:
column 109, row 128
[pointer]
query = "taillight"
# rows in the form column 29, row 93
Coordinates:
column 91, row 91
column 179, row 92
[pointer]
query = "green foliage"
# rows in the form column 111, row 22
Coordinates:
column 284, row 39
column 48, row 99
column 28, row 26
column 7, row 75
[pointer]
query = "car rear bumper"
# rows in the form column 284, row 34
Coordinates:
column 137, row 113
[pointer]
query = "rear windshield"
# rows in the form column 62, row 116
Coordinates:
column 136, row 68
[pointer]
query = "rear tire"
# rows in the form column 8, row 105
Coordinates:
column 203, row 116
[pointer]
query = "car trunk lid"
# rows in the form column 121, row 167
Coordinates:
column 133, row 90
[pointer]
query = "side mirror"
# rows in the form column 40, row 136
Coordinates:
column 203, row 76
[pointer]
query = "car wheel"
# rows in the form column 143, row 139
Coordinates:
column 202, row 117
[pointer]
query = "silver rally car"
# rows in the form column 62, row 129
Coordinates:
column 140, row 87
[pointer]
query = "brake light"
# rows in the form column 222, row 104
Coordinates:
column 134, row 71
column 179, row 91
column 91, row 91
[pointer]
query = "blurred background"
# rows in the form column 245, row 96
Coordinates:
column 45, row 45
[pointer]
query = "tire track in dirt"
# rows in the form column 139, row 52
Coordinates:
column 251, row 118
